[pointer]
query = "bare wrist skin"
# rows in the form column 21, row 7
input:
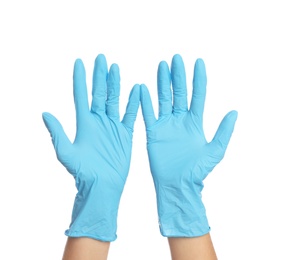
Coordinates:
column 194, row 248
column 84, row 248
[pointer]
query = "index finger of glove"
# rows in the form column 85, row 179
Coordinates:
column 132, row 107
column 147, row 107
column 113, row 82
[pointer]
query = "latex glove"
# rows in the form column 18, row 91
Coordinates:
column 179, row 154
column 99, row 157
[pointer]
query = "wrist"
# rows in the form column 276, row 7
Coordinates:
column 95, row 210
column 181, row 211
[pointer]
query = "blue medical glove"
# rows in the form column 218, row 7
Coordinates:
column 99, row 157
column 179, row 154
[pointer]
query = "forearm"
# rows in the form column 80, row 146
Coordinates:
column 194, row 248
column 86, row 249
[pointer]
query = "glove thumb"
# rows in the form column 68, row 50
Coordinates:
column 60, row 140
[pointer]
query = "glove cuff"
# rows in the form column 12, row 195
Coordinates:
column 95, row 213
column 184, row 227
column 181, row 212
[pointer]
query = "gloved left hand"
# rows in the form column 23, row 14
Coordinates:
column 179, row 154
column 99, row 157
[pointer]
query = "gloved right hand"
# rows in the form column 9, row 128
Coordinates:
column 99, row 157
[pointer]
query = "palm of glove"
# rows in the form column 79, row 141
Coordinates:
column 102, row 148
column 178, row 150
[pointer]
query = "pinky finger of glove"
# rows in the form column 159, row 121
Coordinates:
column 224, row 132
column 60, row 140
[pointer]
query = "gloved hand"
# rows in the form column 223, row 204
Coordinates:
column 99, row 157
column 179, row 154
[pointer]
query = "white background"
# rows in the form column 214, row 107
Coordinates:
column 240, row 42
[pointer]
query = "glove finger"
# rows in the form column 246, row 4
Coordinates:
column 164, row 90
column 60, row 140
column 178, row 78
column 132, row 107
column 99, row 85
column 80, row 90
column 147, row 107
column 199, row 89
column 223, row 134
column 113, row 82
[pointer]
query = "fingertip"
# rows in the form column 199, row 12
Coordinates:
column 144, row 92
column 43, row 115
column 101, row 60
column 47, row 119
column 163, row 64
column 163, row 72
column 233, row 114
column 114, row 67
column 143, row 88
column 78, row 68
column 78, row 61
column 146, row 105
column 132, row 107
column 176, row 57
column 101, row 64
column 135, row 92
column 136, row 87
column 46, row 116
column 114, row 75
column 100, row 56
column 200, row 66
column 200, row 61
column 200, row 72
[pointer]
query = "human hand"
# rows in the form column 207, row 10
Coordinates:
column 99, row 157
column 179, row 154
